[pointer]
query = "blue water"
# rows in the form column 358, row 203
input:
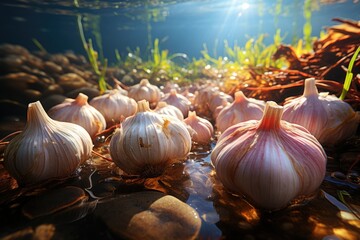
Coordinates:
column 183, row 27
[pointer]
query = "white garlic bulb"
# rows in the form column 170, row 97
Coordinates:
column 114, row 106
column 270, row 161
column 177, row 100
column 203, row 130
column 146, row 143
column 120, row 89
column 326, row 117
column 80, row 112
column 46, row 148
column 145, row 91
column 240, row 110
column 164, row 108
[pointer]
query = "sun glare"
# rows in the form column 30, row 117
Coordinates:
column 245, row 6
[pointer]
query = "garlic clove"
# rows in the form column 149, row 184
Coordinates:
column 46, row 148
column 328, row 118
column 148, row 142
column 270, row 161
column 80, row 112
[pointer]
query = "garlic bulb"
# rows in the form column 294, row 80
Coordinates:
column 190, row 96
column 269, row 160
column 218, row 109
column 114, row 106
column 164, row 108
column 120, row 89
column 326, row 117
column 148, row 142
column 168, row 86
column 203, row 130
column 203, row 96
column 242, row 109
column 46, row 148
column 80, row 112
column 145, row 91
column 217, row 100
column 177, row 100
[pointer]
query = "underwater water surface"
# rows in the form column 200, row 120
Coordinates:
column 181, row 26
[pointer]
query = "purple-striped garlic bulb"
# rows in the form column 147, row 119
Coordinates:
column 240, row 110
column 325, row 116
column 218, row 109
column 80, row 112
column 217, row 100
column 270, row 161
column 202, row 130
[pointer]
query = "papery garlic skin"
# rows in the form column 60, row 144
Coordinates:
column 326, row 117
column 114, row 106
column 177, row 100
column 170, row 110
column 240, row 110
column 46, row 149
column 270, row 161
column 148, row 142
column 202, row 129
column 80, row 112
column 145, row 91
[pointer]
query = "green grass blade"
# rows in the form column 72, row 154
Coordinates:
column 349, row 75
column 102, row 82
column 39, row 45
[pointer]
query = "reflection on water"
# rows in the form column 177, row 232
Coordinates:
column 194, row 181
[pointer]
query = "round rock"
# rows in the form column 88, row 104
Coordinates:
column 149, row 215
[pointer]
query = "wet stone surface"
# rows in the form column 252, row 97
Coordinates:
column 149, row 215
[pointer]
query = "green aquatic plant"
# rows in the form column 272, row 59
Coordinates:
column 93, row 57
column 349, row 75
column 93, row 22
column 161, row 63
column 307, row 29
column 39, row 45
column 218, row 62
column 255, row 52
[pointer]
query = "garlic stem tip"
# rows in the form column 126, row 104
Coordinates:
column 310, row 87
column 81, row 99
column 144, row 82
column 143, row 106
